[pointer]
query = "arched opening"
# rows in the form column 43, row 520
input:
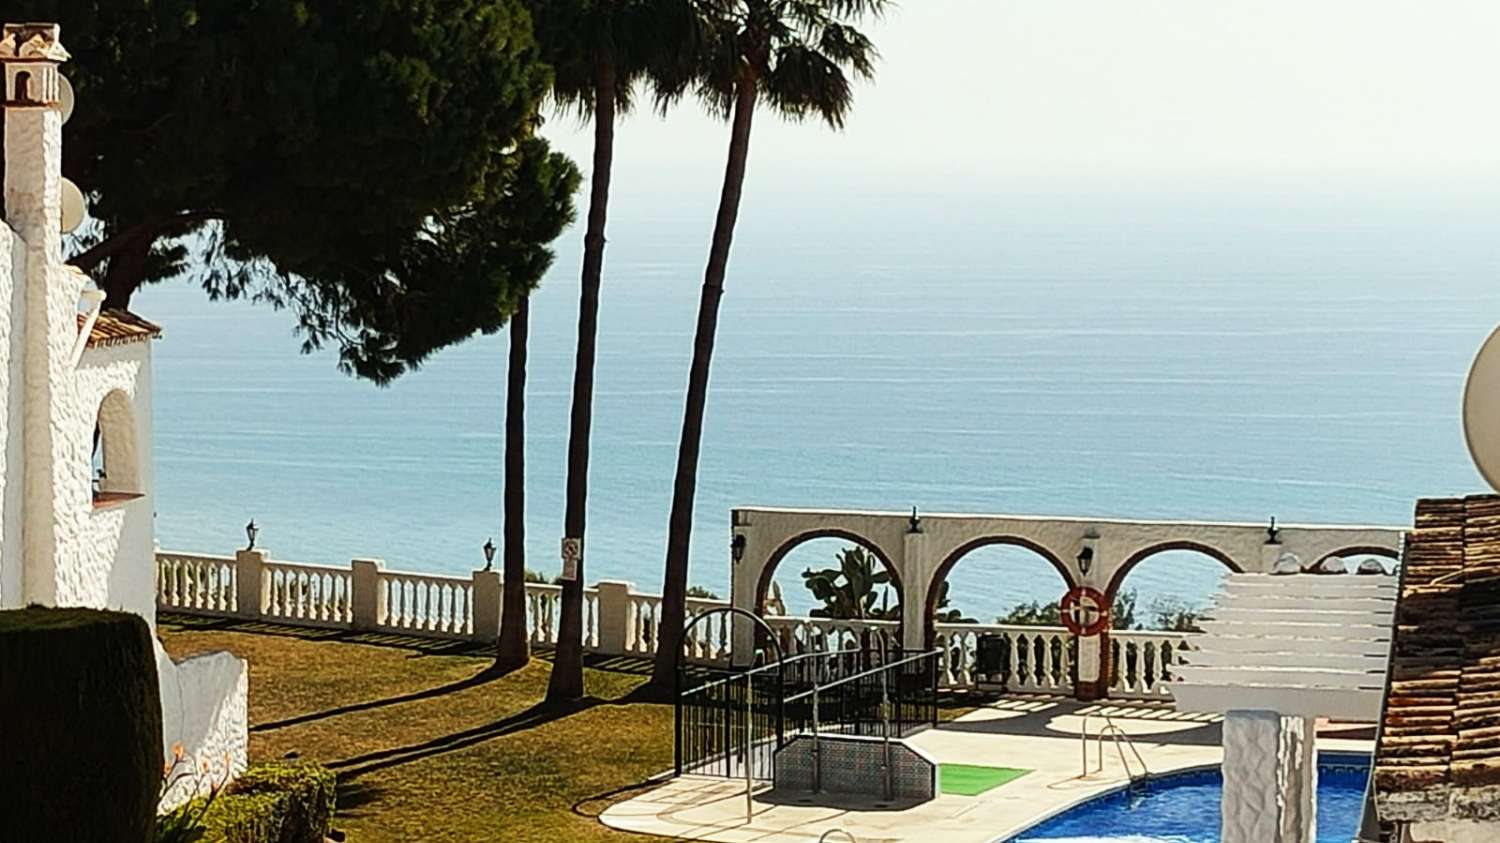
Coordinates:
column 1174, row 579
column 995, row 617
column 23, row 87
column 114, row 468
column 1160, row 589
column 831, row 589
column 1363, row 558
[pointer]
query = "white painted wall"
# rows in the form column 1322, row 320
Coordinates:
column 56, row 547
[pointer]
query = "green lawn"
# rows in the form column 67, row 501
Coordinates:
column 972, row 780
column 428, row 747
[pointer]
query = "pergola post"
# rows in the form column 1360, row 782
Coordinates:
column 1270, row 779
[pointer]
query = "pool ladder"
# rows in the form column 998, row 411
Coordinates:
column 1121, row 740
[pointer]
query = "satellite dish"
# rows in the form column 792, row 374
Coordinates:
column 1482, row 410
column 73, row 209
column 64, row 97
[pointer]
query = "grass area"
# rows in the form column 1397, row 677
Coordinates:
column 427, row 746
column 972, row 780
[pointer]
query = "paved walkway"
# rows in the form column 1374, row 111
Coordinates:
column 1037, row 734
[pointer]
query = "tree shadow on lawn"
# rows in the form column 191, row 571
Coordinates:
column 483, row 677
column 538, row 715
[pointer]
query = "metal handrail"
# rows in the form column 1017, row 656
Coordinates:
column 824, row 836
column 740, row 675
column 1117, row 734
column 871, row 672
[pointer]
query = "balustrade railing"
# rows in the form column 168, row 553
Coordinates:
column 191, row 582
column 800, row 635
column 618, row 620
column 1141, row 662
column 425, row 604
column 1030, row 659
column 312, row 594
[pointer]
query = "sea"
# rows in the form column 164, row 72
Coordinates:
column 1296, row 352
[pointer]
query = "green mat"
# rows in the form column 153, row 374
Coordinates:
column 972, row 780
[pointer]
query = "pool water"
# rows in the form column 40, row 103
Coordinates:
column 1184, row 808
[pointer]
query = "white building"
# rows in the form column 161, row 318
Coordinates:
column 75, row 434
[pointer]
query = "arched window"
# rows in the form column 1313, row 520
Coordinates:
column 831, row 590
column 114, row 469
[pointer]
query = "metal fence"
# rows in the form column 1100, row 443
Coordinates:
column 730, row 723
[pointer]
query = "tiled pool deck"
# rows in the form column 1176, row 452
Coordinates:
column 1039, row 734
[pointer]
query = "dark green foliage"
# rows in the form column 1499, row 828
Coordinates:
column 633, row 37
column 853, row 588
column 700, row 593
column 80, row 726
column 364, row 164
column 1175, row 615
column 1037, row 613
column 270, row 803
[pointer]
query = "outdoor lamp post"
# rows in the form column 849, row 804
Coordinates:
column 489, row 553
column 737, row 547
column 251, row 531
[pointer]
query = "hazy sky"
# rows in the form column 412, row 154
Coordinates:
column 978, row 91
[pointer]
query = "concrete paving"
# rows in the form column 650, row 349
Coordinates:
column 1041, row 735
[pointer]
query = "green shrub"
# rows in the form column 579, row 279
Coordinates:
column 80, row 744
column 273, row 803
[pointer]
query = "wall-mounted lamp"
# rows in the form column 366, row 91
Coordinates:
column 1085, row 560
column 251, row 531
column 737, row 547
column 489, row 553
column 1273, row 535
column 913, row 524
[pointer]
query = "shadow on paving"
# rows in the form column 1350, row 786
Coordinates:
column 538, row 715
column 1034, row 718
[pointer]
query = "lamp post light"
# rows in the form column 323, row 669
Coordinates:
column 489, row 553
column 1085, row 560
column 914, row 524
column 251, row 531
column 737, row 547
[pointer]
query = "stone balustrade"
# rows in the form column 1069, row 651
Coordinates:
column 618, row 620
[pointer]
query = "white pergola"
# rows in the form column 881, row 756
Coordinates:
column 1278, row 652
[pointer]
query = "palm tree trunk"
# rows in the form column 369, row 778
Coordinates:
column 566, row 682
column 513, row 650
column 680, row 527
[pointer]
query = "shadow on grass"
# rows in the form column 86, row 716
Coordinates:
column 538, row 715
column 353, row 797
column 418, row 645
column 481, row 678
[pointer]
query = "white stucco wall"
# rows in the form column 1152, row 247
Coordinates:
column 57, row 547
column 12, row 305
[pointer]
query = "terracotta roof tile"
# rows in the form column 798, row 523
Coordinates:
column 116, row 327
column 1439, row 746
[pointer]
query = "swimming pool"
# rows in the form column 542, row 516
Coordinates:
column 1184, row 808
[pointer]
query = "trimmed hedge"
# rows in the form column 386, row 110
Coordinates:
column 273, row 803
column 80, row 726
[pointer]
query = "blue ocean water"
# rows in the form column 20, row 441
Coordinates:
column 1184, row 808
column 1200, row 355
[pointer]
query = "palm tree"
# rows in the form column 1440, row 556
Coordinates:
column 514, row 650
column 797, row 55
column 599, row 50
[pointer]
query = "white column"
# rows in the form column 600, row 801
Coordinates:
column 249, row 598
column 1270, row 779
column 615, row 617
column 486, row 606
column 367, row 603
column 915, row 590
